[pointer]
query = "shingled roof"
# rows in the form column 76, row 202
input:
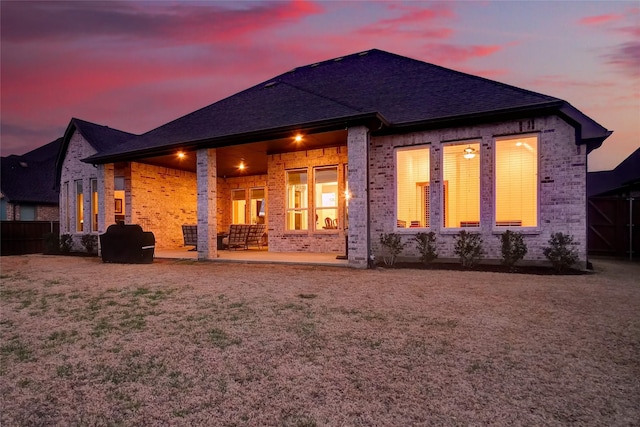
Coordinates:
column 625, row 176
column 395, row 92
column 102, row 138
column 30, row 178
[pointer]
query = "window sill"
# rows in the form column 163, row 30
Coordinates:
column 522, row 230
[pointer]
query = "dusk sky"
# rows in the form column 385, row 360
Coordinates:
column 135, row 65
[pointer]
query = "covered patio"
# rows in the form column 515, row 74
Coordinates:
column 258, row 256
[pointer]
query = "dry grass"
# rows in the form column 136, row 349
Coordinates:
column 183, row 343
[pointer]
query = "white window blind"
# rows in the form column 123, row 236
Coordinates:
column 412, row 187
column 461, row 184
column 516, row 181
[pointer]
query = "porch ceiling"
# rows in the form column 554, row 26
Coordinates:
column 254, row 154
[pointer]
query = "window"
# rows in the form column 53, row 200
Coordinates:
column 347, row 196
column 516, row 182
column 94, row 205
column 118, row 194
column 412, row 187
column 66, row 199
column 326, row 197
column 3, row 209
column 27, row 213
column 297, row 200
column 461, row 184
column 257, row 200
column 238, row 206
column 79, row 206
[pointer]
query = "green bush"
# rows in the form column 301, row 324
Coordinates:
column 560, row 251
column 469, row 248
column 513, row 248
column 51, row 243
column 90, row 242
column 393, row 246
column 66, row 243
column 426, row 246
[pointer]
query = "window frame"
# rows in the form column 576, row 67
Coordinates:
column 233, row 200
column 429, row 182
column 287, row 209
column 528, row 229
column 320, row 223
column 444, row 185
column 79, row 205
column 95, row 207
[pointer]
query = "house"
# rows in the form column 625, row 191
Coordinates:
column 28, row 185
column 334, row 153
column 614, row 209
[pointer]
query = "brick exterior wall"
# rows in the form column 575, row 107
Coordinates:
column 161, row 200
column 310, row 240
column 74, row 169
column 43, row 212
column 562, row 185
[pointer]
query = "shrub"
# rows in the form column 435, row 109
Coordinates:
column 51, row 243
column 426, row 246
column 560, row 252
column 469, row 248
column 513, row 248
column 90, row 242
column 66, row 243
column 393, row 245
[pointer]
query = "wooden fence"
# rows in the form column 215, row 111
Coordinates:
column 614, row 226
column 25, row 237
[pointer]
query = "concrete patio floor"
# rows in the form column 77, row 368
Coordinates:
column 257, row 256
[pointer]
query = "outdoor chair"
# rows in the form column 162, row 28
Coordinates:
column 256, row 233
column 190, row 235
column 238, row 234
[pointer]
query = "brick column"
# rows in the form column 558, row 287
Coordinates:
column 207, row 219
column 106, row 208
column 358, row 151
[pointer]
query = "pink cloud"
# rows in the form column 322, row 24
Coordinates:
column 449, row 53
column 600, row 19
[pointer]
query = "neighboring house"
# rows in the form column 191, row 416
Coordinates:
column 28, row 185
column 614, row 209
column 344, row 150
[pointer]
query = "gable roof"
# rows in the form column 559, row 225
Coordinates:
column 381, row 89
column 30, row 178
column 626, row 174
column 101, row 138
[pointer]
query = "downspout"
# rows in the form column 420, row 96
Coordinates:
column 368, row 228
column 630, row 225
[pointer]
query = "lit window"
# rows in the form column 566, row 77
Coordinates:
column 412, row 187
column 258, row 213
column 118, row 194
column 516, row 182
column 297, row 200
column 326, row 198
column 238, row 206
column 461, row 185
column 94, row 205
column 79, row 206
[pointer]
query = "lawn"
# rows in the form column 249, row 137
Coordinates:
column 187, row 343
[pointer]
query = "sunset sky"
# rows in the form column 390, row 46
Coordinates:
column 135, row 65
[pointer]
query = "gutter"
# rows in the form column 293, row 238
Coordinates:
column 371, row 120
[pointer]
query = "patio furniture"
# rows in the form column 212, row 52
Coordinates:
column 127, row 244
column 190, row 235
column 238, row 234
column 256, row 233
